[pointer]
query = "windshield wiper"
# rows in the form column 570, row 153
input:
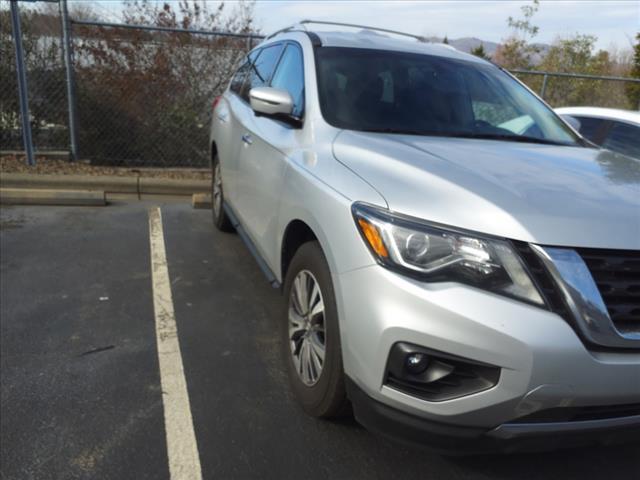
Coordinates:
column 485, row 136
column 398, row 131
column 507, row 138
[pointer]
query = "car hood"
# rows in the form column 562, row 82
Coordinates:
column 546, row 194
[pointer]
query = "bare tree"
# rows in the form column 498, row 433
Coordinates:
column 633, row 89
column 156, row 88
column 517, row 51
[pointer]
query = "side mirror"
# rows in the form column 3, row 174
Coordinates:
column 270, row 101
column 573, row 121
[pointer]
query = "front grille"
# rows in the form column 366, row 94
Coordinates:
column 543, row 280
column 617, row 275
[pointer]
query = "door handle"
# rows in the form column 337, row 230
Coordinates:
column 223, row 117
column 246, row 138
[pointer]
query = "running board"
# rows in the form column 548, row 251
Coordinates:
column 271, row 278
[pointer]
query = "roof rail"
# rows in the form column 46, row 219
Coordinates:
column 285, row 29
column 420, row 38
column 302, row 23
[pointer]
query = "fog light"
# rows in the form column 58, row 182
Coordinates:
column 436, row 376
column 416, row 363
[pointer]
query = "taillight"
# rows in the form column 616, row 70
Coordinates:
column 215, row 102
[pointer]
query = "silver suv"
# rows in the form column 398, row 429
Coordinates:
column 459, row 266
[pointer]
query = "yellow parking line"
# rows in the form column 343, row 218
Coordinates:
column 182, row 449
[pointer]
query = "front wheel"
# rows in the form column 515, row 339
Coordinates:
column 220, row 218
column 311, row 336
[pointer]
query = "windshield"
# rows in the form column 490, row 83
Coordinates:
column 397, row 92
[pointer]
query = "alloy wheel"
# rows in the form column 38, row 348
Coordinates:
column 306, row 327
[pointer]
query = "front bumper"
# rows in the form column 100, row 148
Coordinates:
column 543, row 362
column 417, row 431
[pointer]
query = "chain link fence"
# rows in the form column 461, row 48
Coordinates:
column 44, row 65
column 564, row 89
column 142, row 95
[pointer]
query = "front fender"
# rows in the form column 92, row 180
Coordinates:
column 326, row 209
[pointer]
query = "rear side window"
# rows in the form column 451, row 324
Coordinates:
column 290, row 77
column 592, row 128
column 623, row 138
column 261, row 70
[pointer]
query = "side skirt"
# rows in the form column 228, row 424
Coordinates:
column 271, row 278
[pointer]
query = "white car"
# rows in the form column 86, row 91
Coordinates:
column 456, row 261
column 616, row 130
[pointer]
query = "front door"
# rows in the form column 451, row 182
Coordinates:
column 266, row 143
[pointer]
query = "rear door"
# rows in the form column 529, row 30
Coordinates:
column 227, row 121
column 263, row 159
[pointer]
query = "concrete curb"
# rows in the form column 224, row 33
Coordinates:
column 106, row 184
column 169, row 186
column 25, row 196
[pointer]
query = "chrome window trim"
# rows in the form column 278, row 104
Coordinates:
column 583, row 298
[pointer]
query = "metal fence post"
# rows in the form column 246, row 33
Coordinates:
column 544, row 85
column 71, row 91
column 22, row 83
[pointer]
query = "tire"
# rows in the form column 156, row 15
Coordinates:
column 323, row 394
column 220, row 218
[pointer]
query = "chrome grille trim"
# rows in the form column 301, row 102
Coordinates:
column 583, row 298
column 617, row 275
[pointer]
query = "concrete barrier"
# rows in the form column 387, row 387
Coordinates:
column 31, row 196
column 70, row 182
column 107, row 184
column 170, row 186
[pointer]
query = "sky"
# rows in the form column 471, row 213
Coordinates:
column 614, row 22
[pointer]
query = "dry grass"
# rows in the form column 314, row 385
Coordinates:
column 52, row 166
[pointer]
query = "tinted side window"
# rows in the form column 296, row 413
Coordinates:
column 623, row 138
column 591, row 128
column 261, row 70
column 241, row 74
column 290, row 77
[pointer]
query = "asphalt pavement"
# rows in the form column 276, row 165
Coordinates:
column 80, row 387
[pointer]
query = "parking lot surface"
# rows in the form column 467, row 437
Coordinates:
column 81, row 393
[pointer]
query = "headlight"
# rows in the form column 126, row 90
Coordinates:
column 435, row 254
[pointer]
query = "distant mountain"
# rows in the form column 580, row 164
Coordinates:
column 466, row 44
